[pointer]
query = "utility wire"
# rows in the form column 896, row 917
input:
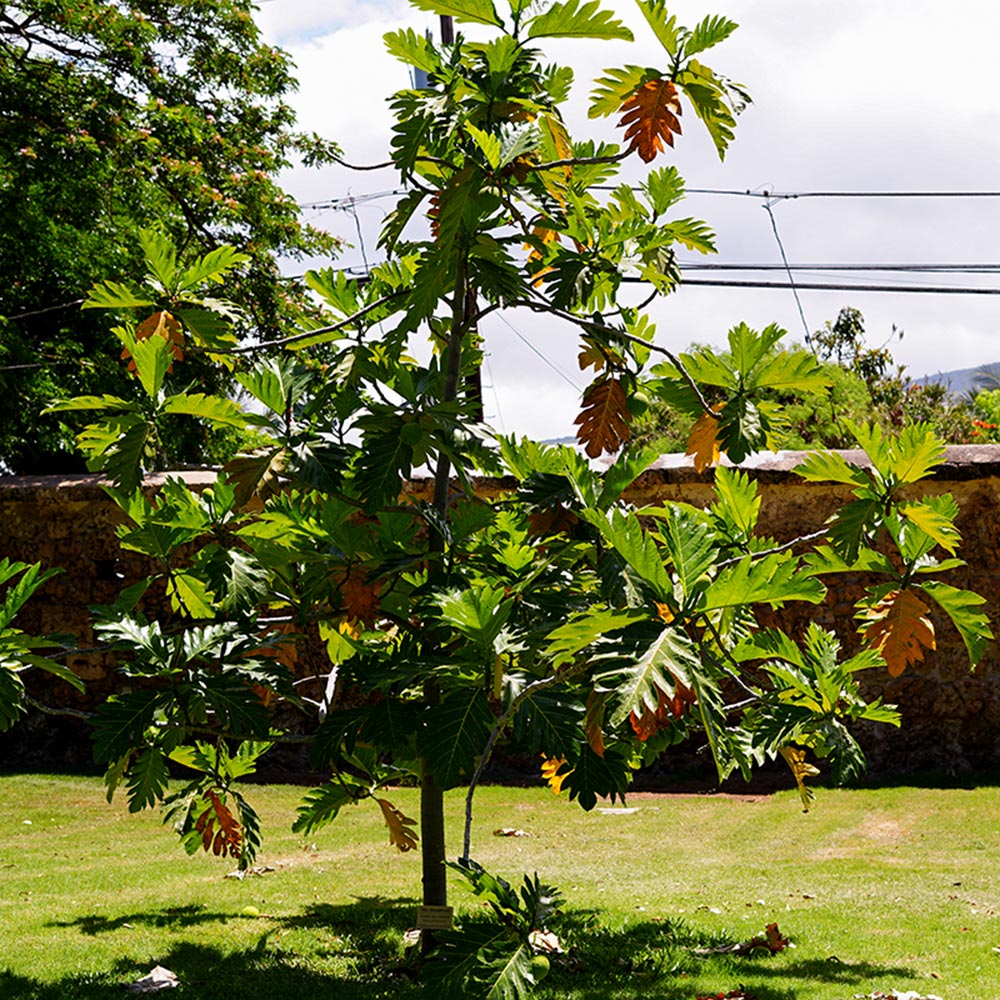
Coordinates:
column 788, row 271
column 548, row 361
column 831, row 286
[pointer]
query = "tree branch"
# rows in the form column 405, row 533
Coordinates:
column 581, row 161
column 498, row 728
column 588, row 324
column 295, row 338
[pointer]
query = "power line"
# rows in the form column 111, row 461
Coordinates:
column 832, row 287
column 907, row 268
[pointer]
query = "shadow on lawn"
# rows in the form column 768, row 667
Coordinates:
column 658, row 958
column 354, row 950
column 350, row 950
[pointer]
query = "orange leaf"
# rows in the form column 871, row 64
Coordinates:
column 593, row 721
column 604, row 418
column 703, row 441
column 550, row 772
column 160, row 324
column 359, row 598
column 668, row 710
column 650, row 118
column 220, row 831
column 400, row 834
column 899, row 629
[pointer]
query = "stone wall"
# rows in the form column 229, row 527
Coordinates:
column 951, row 716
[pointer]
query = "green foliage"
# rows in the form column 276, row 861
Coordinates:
column 551, row 614
column 495, row 959
column 172, row 115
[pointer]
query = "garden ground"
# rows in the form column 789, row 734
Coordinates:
column 878, row 889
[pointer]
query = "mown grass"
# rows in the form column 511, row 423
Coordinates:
column 893, row 888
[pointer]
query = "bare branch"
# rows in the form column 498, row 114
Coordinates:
column 296, row 338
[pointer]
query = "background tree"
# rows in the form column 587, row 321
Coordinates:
column 113, row 118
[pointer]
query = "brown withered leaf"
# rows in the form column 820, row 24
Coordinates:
column 359, row 597
column 593, row 720
column 801, row 769
column 703, row 441
column 898, row 628
column 668, row 710
column 603, row 421
column 550, row 772
column 160, row 324
column 220, row 830
column 650, row 118
column 772, row 940
column 554, row 520
column 400, row 834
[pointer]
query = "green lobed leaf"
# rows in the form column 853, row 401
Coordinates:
column 146, row 780
column 596, row 777
column 773, row 580
column 212, row 266
column 671, row 659
column 914, row 454
column 962, row 606
column 578, row 19
column 611, row 90
column 161, row 258
column 663, row 24
column 453, row 735
column 474, row 11
column 567, row 640
column 708, row 32
column 215, row 409
column 827, row 466
column 322, row 805
column 115, row 295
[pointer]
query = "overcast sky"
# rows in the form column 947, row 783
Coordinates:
column 857, row 96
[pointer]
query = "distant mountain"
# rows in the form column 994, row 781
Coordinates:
column 961, row 380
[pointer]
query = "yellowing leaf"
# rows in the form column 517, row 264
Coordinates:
column 795, row 757
column 899, row 629
column 663, row 612
column 703, row 441
column 650, row 118
column 550, row 772
column 400, row 834
column 603, row 422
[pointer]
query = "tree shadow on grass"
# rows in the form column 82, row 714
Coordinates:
column 658, row 958
column 352, row 950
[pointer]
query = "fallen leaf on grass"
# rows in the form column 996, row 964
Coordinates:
column 896, row 995
column 772, row 939
column 157, row 979
column 740, row 994
column 509, row 831
column 259, row 870
column 545, row 941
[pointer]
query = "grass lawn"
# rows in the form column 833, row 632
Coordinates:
column 895, row 888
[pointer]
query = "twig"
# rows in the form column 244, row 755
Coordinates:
column 295, row 338
column 498, row 727
column 581, row 161
column 777, row 548
column 47, row 309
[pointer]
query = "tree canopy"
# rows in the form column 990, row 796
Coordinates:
column 115, row 117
